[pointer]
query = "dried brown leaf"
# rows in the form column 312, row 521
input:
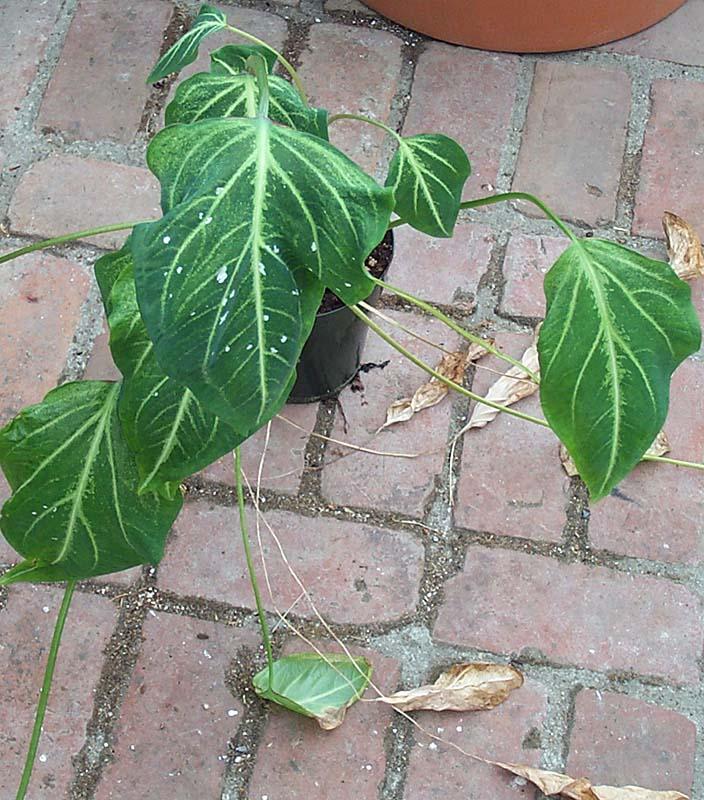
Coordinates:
column 463, row 687
column 684, row 247
column 659, row 447
column 554, row 784
column 452, row 367
column 511, row 387
column 331, row 718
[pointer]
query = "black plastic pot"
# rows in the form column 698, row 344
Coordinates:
column 333, row 352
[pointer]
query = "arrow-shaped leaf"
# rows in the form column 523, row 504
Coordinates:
column 617, row 326
column 232, row 58
column 322, row 687
column 236, row 94
column 108, row 268
column 246, row 204
column 427, row 175
column 185, row 50
column 75, row 511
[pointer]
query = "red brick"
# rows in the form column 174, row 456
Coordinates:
column 65, row 193
column 473, row 106
column 577, row 175
column 594, row 617
column 23, row 46
column 438, row 770
column 618, row 740
column 354, row 573
column 297, row 760
column 100, row 365
column 108, row 53
column 676, row 38
column 672, row 167
column 512, row 482
column 384, row 482
column 441, row 270
column 284, row 462
column 658, row 510
column 353, row 70
column 527, row 260
column 40, row 304
column 178, row 715
column 27, row 624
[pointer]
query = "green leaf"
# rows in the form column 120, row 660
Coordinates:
column 248, row 204
column 107, row 269
column 316, row 686
column 236, row 94
column 232, row 58
column 185, row 50
column 427, row 175
column 75, row 511
column 617, row 326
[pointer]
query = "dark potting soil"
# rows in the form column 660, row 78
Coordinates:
column 377, row 263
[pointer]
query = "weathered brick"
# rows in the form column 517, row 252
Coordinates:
column 297, row 760
column 40, row 304
column 23, row 46
column 385, row 482
column 100, row 366
column 98, row 89
column 509, row 602
column 511, row 482
column 474, row 108
column 354, row 573
column 178, row 715
column 441, row 270
column 675, row 38
column 27, row 624
column 353, row 70
column 510, row 732
column 658, row 510
column 577, row 175
column 65, row 193
column 672, row 166
column 527, row 260
column 348, row 5
column 284, row 462
column 620, row 740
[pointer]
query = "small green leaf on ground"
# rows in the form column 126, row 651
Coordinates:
column 185, row 50
column 319, row 686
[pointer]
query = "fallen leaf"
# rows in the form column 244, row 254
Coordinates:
column 553, row 784
column 463, row 687
column 659, row 447
column 452, row 367
column 684, row 247
column 511, row 387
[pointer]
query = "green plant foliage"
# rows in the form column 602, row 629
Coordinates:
column 315, row 686
column 108, row 267
column 232, row 58
column 617, row 326
column 246, row 203
column 75, row 511
column 427, row 175
column 185, row 50
column 230, row 90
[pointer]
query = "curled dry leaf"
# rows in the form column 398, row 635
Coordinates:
column 659, row 447
column 511, row 387
column 684, row 247
column 452, row 367
column 463, row 687
column 554, row 784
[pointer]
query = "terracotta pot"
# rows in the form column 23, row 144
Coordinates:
column 526, row 26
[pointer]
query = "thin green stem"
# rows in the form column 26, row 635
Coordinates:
column 676, row 461
column 258, row 68
column 263, row 624
column 439, row 376
column 465, row 334
column 287, row 65
column 46, row 689
column 368, row 120
column 502, row 198
column 70, row 237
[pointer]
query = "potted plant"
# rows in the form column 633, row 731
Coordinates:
column 526, row 26
column 210, row 307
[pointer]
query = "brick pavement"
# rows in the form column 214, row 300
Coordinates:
column 601, row 607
